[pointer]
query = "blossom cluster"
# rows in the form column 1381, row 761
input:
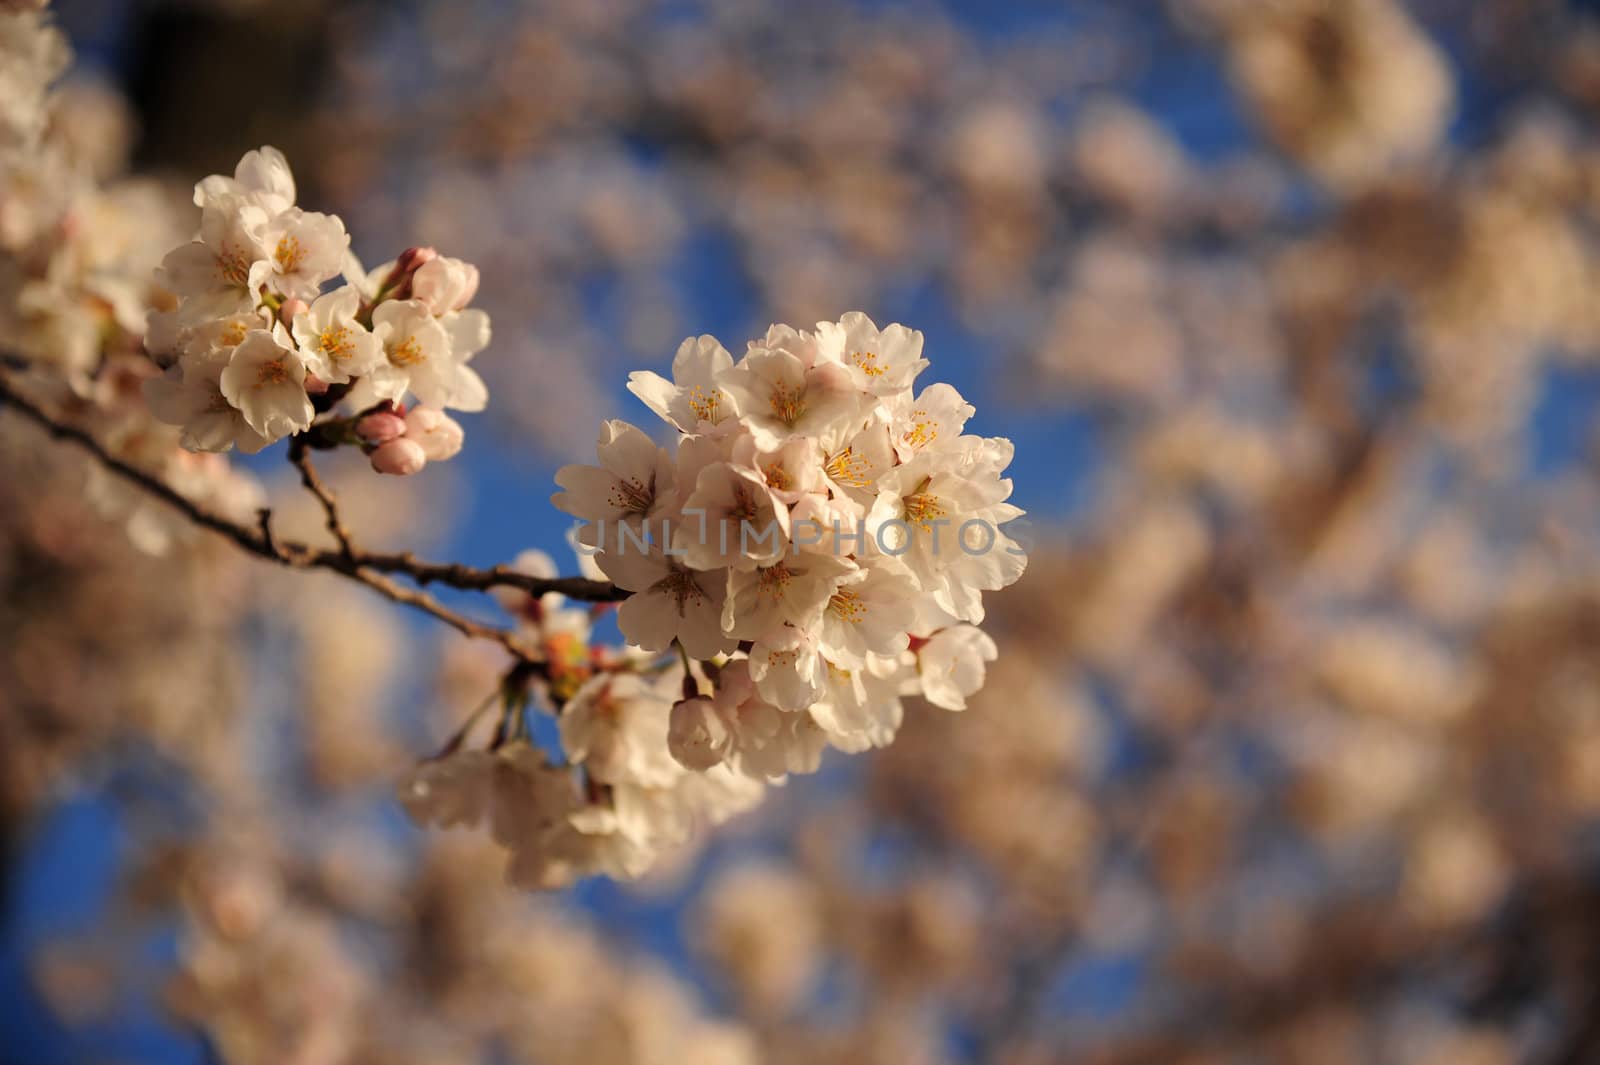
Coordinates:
column 78, row 249
column 616, row 800
column 258, row 346
column 813, row 546
column 32, row 55
column 819, row 535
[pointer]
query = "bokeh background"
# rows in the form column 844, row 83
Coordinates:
column 1292, row 752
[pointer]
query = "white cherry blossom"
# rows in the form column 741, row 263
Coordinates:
column 693, row 400
column 416, row 349
column 262, row 177
column 933, row 420
column 792, row 590
column 860, row 708
column 334, row 345
column 870, row 612
column 221, row 272
column 731, row 519
column 952, row 663
column 265, row 380
column 787, row 667
column 880, row 362
column 631, row 486
column 779, row 396
column 670, row 601
column 445, row 284
column 616, row 727
column 304, row 249
column 191, row 397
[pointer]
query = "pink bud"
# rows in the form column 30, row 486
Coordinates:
column 445, row 284
column 398, row 284
column 400, row 457
column 380, row 427
column 439, row 434
column 315, row 386
column 291, row 309
column 412, row 258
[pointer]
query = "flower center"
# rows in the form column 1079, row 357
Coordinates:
column 707, row 406
column 633, row 496
column 335, row 343
column 743, row 507
column 788, row 403
column 234, row 266
column 679, row 585
column 924, row 430
column 867, row 363
column 774, row 581
column 922, row 508
column 777, row 477
column 849, row 468
column 407, row 353
column 289, row 254
column 846, row 605
column 275, row 372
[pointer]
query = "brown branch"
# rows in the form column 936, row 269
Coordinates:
column 365, row 567
column 300, row 457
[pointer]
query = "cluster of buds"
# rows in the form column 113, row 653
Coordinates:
column 257, row 347
column 401, row 442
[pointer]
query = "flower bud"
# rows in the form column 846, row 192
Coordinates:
column 315, row 386
column 697, row 737
column 292, row 309
column 400, row 457
column 380, row 427
column 445, row 284
column 438, row 434
column 398, row 284
column 412, row 258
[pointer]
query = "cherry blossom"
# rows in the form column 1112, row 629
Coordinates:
column 261, row 263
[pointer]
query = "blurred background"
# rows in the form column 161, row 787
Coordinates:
column 1292, row 751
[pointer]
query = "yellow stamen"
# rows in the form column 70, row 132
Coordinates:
column 707, row 406
column 924, row 430
column 407, row 353
column 846, row 605
column 275, row 372
column 788, row 404
column 774, row 581
column 921, row 508
column 335, row 343
column 289, row 254
column 867, row 361
column 777, row 477
column 849, row 469
column 234, row 266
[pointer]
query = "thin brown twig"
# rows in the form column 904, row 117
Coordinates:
column 300, row 457
column 349, row 560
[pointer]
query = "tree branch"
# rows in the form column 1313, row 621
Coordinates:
column 365, row 567
column 300, row 457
